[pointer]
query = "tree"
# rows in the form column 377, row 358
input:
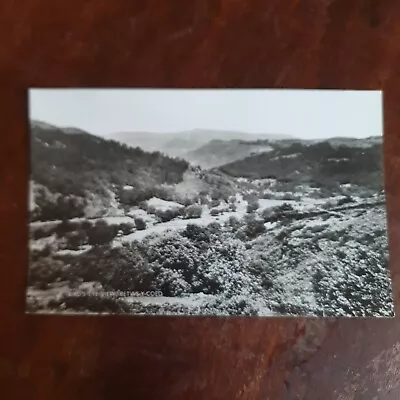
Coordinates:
column 232, row 207
column 196, row 233
column 126, row 228
column 101, row 233
column 86, row 225
column 45, row 271
column 253, row 206
column 140, row 224
column 254, row 228
column 234, row 223
column 214, row 212
column 63, row 228
column 215, row 202
column 167, row 215
column 40, row 233
column 76, row 239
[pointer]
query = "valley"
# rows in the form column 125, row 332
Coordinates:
column 268, row 226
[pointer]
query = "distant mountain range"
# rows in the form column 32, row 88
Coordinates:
column 179, row 144
column 213, row 148
column 219, row 152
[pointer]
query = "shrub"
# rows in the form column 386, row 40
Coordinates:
column 40, row 233
column 196, row 233
column 255, row 227
column 345, row 200
column 317, row 228
column 215, row 203
column 76, row 239
column 260, row 269
column 282, row 235
column 174, row 260
column 328, row 205
column 204, row 201
column 253, row 206
column 140, row 224
column 267, row 214
column 64, row 227
column 214, row 212
column 86, row 225
column 35, row 255
column 367, row 238
column 341, row 254
column 332, row 235
column 45, row 271
column 214, row 227
column 285, row 207
column 64, row 207
column 316, row 279
column 289, row 196
column 121, row 268
column 193, row 211
column 268, row 195
column 187, row 201
column 126, row 228
column 143, row 205
column 101, row 233
column 232, row 207
column 325, row 216
column 167, row 215
column 234, row 223
column 151, row 210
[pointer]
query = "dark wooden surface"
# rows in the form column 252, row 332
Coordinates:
column 298, row 44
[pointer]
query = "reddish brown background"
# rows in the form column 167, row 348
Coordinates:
column 233, row 43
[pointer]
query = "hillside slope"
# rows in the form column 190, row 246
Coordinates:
column 321, row 163
column 71, row 171
column 218, row 152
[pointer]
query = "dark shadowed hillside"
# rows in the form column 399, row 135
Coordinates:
column 78, row 161
column 321, row 163
column 70, row 168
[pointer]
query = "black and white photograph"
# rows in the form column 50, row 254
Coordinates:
column 220, row 202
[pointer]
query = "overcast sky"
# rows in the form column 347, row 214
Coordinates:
column 301, row 113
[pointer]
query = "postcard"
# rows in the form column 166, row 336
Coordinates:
column 207, row 202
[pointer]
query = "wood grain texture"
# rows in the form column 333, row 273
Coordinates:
column 204, row 43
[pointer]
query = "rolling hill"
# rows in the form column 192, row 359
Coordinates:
column 72, row 173
column 219, row 152
column 321, row 163
column 180, row 143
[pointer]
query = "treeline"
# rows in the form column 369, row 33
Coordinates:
column 87, row 232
